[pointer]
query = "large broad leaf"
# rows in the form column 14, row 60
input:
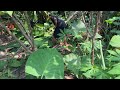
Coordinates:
column 115, row 41
column 46, row 63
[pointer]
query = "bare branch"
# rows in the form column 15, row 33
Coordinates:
column 21, row 29
column 3, row 26
column 94, row 34
column 71, row 16
column 83, row 19
column 30, row 29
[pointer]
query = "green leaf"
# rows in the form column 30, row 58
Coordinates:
column 115, row 55
column 2, row 64
column 46, row 63
column 70, row 57
column 111, row 20
column 86, row 63
column 86, row 46
column 98, row 36
column 73, row 63
column 115, row 41
column 118, row 51
column 115, row 31
column 116, row 23
column 114, row 58
column 77, row 27
column 10, row 12
column 94, row 71
column 85, row 68
column 41, row 42
column 112, row 52
column 118, row 77
column 15, row 63
column 115, row 69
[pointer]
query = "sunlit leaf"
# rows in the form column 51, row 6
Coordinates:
column 118, row 77
column 10, row 12
column 115, row 41
column 45, row 62
column 112, row 52
column 115, row 69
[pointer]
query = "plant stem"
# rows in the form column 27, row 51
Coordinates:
column 101, row 51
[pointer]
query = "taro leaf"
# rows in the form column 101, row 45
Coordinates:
column 115, row 41
column 46, row 63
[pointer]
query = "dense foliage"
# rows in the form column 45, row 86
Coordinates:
column 88, row 48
